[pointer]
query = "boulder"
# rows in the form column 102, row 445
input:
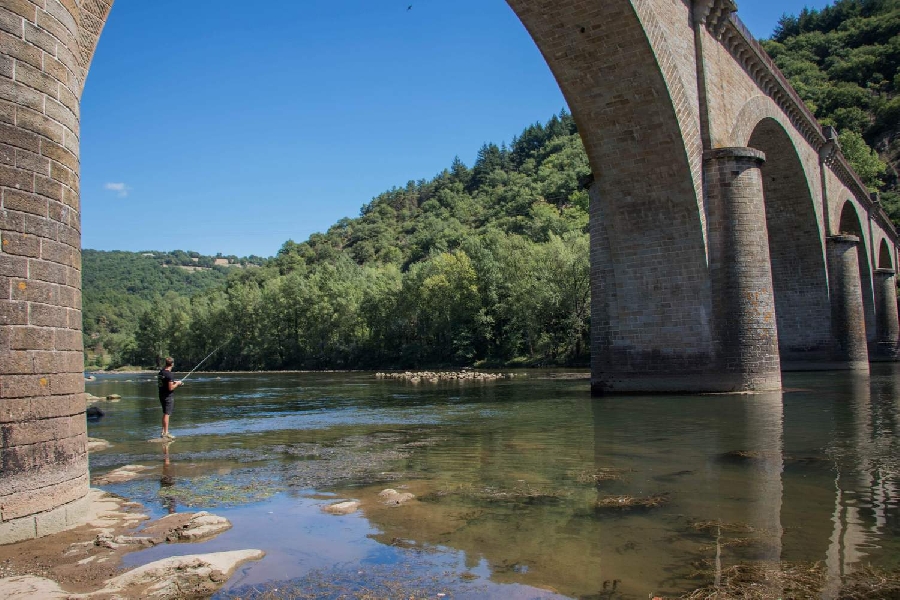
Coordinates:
column 342, row 508
column 395, row 498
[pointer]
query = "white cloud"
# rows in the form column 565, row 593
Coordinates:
column 120, row 189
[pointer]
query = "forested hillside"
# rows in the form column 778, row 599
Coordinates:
column 843, row 60
column 118, row 288
column 488, row 264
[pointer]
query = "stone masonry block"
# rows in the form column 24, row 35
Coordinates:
column 46, row 315
column 23, row 386
column 20, row 138
column 52, row 132
column 11, row 22
column 24, row 202
column 20, row 244
column 52, row 521
column 43, row 407
column 16, row 363
column 41, row 227
column 68, row 339
column 6, row 66
column 24, row 8
column 30, row 290
column 20, row 94
column 77, row 511
column 57, row 361
column 13, row 312
column 58, row 253
column 20, row 50
column 31, row 501
column 67, row 383
column 7, row 153
column 40, row 38
column 31, row 338
column 35, row 457
column 60, row 154
column 37, row 80
column 29, row 161
column 13, row 266
column 48, row 272
column 69, row 297
column 33, row 432
column 48, row 188
column 17, row 530
column 16, row 178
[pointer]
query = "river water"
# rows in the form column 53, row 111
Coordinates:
column 525, row 488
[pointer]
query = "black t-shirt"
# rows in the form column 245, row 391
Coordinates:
column 162, row 379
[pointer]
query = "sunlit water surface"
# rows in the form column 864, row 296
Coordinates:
column 508, row 476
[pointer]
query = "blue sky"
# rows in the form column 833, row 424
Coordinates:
column 211, row 127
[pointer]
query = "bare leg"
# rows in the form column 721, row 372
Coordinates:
column 165, row 424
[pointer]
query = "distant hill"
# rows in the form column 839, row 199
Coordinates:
column 117, row 287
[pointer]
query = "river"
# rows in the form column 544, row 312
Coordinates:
column 525, row 487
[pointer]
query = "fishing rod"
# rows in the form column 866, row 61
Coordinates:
column 204, row 360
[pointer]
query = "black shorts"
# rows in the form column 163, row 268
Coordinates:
column 167, row 403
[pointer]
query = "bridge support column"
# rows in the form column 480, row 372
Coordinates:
column 887, row 325
column 848, row 322
column 741, row 271
column 43, row 438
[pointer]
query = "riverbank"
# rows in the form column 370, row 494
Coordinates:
column 85, row 562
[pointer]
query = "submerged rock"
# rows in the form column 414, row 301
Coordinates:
column 395, row 498
column 96, row 444
column 93, row 413
column 342, row 508
column 126, row 473
column 187, row 527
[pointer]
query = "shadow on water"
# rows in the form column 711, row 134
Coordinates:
column 525, row 487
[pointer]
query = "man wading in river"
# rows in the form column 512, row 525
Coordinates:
column 167, row 385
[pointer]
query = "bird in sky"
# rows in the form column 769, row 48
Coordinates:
column 409, row 7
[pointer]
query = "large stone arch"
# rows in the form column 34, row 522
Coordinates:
column 625, row 89
column 799, row 276
column 612, row 65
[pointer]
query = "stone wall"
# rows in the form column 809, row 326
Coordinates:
column 43, row 470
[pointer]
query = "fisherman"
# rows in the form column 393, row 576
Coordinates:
column 167, row 385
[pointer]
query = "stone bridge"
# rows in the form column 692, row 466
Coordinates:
column 729, row 237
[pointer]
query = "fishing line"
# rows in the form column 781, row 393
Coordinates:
column 204, row 360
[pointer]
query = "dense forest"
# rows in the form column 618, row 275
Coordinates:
column 843, row 61
column 485, row 265
column 119, row 287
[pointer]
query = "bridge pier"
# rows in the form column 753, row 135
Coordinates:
column 887, row 325
column 746, row 334
column 848, row 322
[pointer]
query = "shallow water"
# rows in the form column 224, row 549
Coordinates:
column 508, row 475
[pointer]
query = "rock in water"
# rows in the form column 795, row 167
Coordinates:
column 93, row 413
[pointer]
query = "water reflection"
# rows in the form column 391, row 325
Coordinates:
column 518, row 477
column 166, row 480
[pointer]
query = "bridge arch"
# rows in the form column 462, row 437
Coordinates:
column 851, row 224
column 799, row 279
column 885, row 259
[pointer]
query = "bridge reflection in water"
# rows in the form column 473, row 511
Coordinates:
column 808, row 475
